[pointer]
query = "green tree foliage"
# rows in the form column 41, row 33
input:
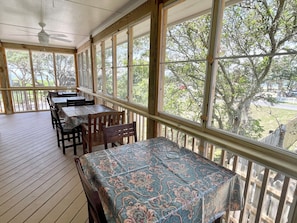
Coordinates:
column 255, row 36
column 140, row 85
column 108, row 70
column 140, row 70
column 251, row 39
column 122, row 71
column 65, row 70
column 19, row 68
column 43, row 69
column 186, row 50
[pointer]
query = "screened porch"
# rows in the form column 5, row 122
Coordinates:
column 214, row 80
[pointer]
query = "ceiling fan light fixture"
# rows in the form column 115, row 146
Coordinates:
column 43, row 39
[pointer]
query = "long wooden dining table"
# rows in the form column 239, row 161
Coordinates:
column 158, row 181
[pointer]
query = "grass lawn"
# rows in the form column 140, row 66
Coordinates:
column 271, row 118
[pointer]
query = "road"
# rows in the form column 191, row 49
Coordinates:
column 281, row 105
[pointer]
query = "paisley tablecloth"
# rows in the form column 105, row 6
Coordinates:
column 157, row 181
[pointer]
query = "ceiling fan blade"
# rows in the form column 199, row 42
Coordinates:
column 61, row 39
column 13, row 34
column 57, row 35
column 26, row 31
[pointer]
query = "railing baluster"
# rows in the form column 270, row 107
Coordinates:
column 262, row 195
column 282, row 201
column 244, row 212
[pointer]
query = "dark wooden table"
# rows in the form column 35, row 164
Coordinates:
column 76, row 115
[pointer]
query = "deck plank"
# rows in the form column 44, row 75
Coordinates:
column 74, row 207
column 58, row 210
column 37, row 182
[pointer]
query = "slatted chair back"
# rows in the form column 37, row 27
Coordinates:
column 95, row 209
column 76, row 102
column 53, row 94
column 65, row 134
column 55, row 116
column 70, row 94
column 92, row 133
column 90, row 102
column 48, row 100
column 117, row 133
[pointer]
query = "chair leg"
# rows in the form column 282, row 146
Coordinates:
column 91, row 219
column 58, row 137
column 63, row 144
column 53, row 124
column 74, row 142
column 79, row 137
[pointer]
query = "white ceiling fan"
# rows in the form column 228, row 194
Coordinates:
column 44, row 37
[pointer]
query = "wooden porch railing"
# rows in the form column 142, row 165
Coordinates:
column 27, row 100
column 268, row 194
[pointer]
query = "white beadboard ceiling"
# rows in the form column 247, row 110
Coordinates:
column 71, row 20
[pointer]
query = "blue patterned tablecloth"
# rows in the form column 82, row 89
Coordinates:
column 157, row 181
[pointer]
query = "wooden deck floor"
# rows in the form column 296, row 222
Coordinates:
column 37, row 182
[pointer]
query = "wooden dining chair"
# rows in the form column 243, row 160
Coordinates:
column 95, row 209
column 65, row 133
column 52, row 94
column 90, row 102
column 51, row 107
column 116, row 134
column 92, row 133
column 76, row 102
